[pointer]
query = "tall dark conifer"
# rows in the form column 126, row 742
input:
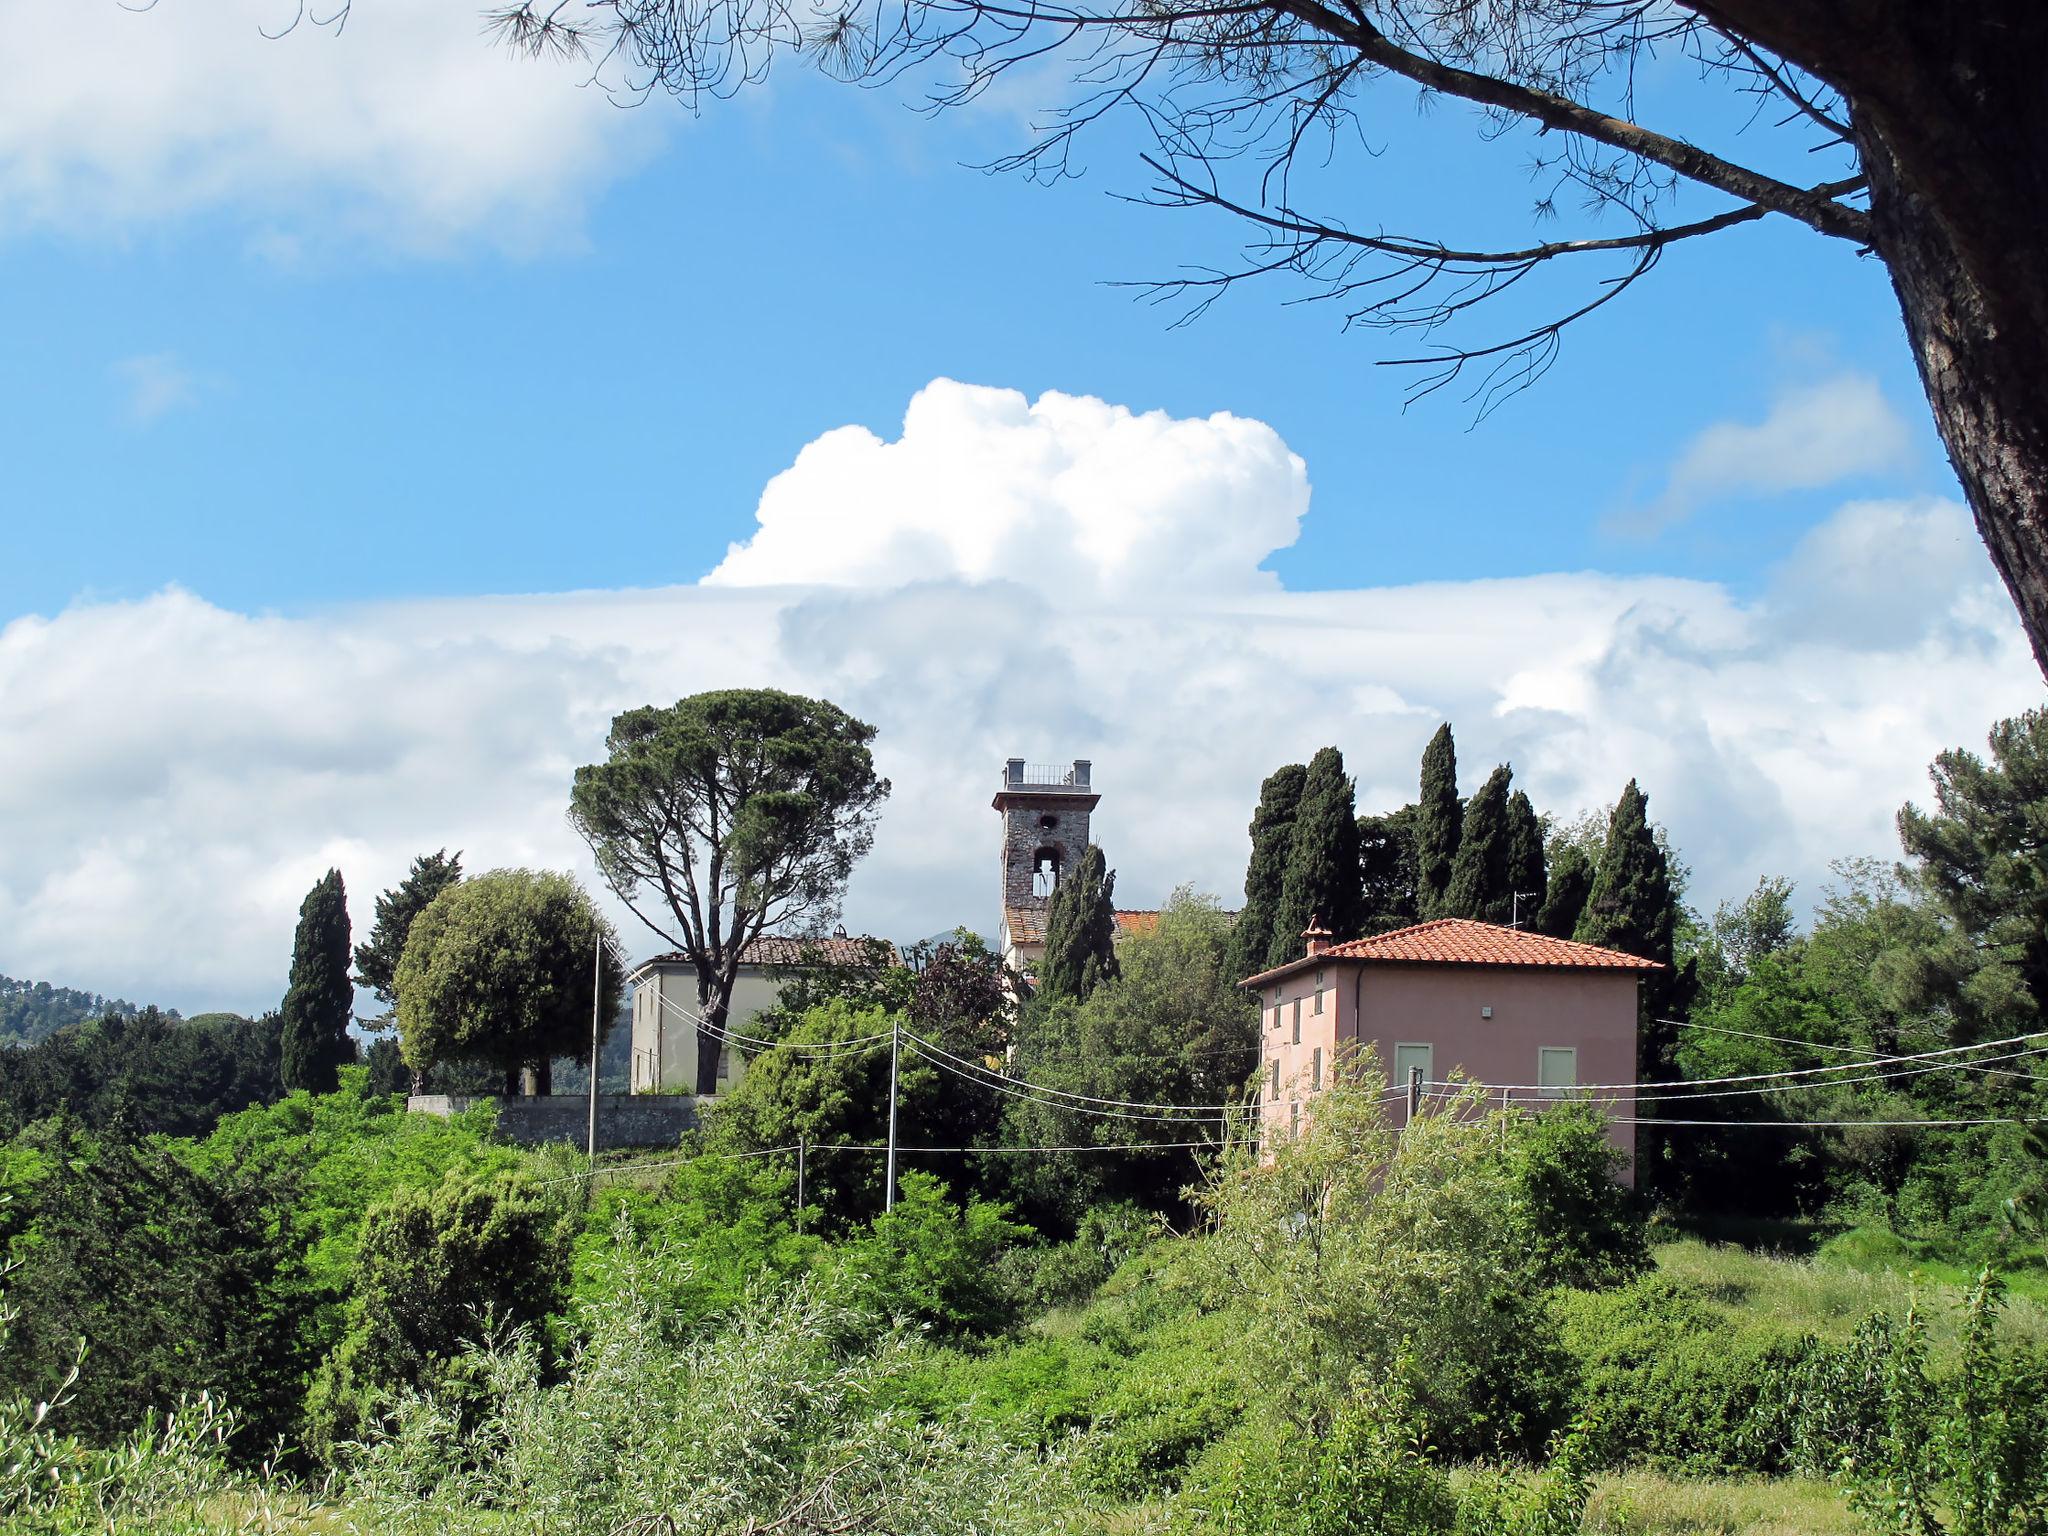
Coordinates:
column 1629, row 907
column 1479, row 874
column 1386, row 862
column 1272, row 832
column 377, row 956
column 315, row 1042
column 1080, row 931
column 1322, row 879
column 1439, row 821
column 1571, row 882
column 1526, row 874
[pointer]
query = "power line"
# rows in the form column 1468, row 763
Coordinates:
column 1760, row 1077
column 924, row 1044
column 1812, row 1045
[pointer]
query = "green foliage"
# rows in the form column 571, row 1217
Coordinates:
column 932, row 1262
column 1922, row 1454
column 1322, row 876
column 145, row 1072
column 377, row 957
column 1571, row 882
column 1574, row 1221
column 1526, row 874
column 836, row 1100
column 715, row 1230
column 726, row 815
column 436, row 1271
column 1630, row 907
column 1059, row 1274
column 342, row 1153
column 1388, row 878
column 777, row 1420
column 30, row 1010
column 1360, row 1255
column 1671, row 1381
column 1173, row 1028
column 318, row 1006
column 1365, row 1473
column 1979, row 857
column 1480, row 884
column 1080, row 931
column 1272, row 835
column 500, row 969
column 962, row 990
column 1439, row 822
column 180, row 1280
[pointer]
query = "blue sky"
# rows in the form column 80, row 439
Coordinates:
column 364, row 420
column 371, row 406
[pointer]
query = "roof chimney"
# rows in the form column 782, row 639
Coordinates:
column 1317, row 935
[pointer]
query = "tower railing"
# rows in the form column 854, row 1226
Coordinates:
column 1019, row 774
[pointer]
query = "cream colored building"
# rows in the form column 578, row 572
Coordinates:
column 665, row 1006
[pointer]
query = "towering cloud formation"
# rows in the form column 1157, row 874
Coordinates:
column 1055, row 578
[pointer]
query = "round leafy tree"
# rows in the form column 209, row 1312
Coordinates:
column 499, row 969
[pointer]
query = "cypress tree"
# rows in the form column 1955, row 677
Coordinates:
column 1080, row 931
column 1629, row 907
column 1386, row 862
column 1570, row 884
column 1525, row 860
column 1439, row 822
column 1322, row 879
column 377, row 957
column 315, row 1042
column 1479, row 874
column 1272, row 832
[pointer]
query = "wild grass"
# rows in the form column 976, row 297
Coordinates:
column 1648, row 1504
column 1828, row 1296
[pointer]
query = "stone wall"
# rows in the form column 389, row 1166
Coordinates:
column 623, row 1119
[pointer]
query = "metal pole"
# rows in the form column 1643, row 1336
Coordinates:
column 596, row 1004
column 1414, row 1092
column 802, row 1147
column 889, row 1187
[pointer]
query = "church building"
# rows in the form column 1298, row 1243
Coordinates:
column 1045, row 811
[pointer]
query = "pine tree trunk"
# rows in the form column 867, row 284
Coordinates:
column 709, row 1042
column 1950, row 127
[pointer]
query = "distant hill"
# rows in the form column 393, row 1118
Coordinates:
column 31, row 1010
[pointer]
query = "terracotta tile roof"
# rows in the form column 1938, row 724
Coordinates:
column 783, row 949
column 1025, row 924
column 1461, row 941
column 1138, row 920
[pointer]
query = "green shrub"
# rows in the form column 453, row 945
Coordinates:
column 437, row 1271
column 931, row 1262
column 1671, row 1380
column 1366, row 1475
column 1058, row 1274
column 1574, row 1220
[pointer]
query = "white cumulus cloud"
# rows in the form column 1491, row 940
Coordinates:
column 1812, row 436
column 179, row 774
column 406, row 127
column 1062, row 494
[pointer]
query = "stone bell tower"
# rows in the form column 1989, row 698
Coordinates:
column 1045, row 833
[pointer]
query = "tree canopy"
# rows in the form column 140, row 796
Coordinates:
column 1272, row 834
column 320, row 1004
column 1439, row 822
column 1080, row 930
column 500, row 969
column 377, row 956
column 1322, row 877
column 726, row 815
column 1480, row 884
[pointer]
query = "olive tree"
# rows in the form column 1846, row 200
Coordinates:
column 726, row 815
column 500, row 969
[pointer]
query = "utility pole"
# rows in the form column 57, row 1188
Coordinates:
column 895, row 1049
column 802, row 1147
column 596, row 1003
column 1414, row 1092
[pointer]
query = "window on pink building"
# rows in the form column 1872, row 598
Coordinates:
column 1557, row 1069
column 1319, row 1000
column 1297, row 1021
column 1315, row 1080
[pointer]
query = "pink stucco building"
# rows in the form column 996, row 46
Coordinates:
column 1538, row 1015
